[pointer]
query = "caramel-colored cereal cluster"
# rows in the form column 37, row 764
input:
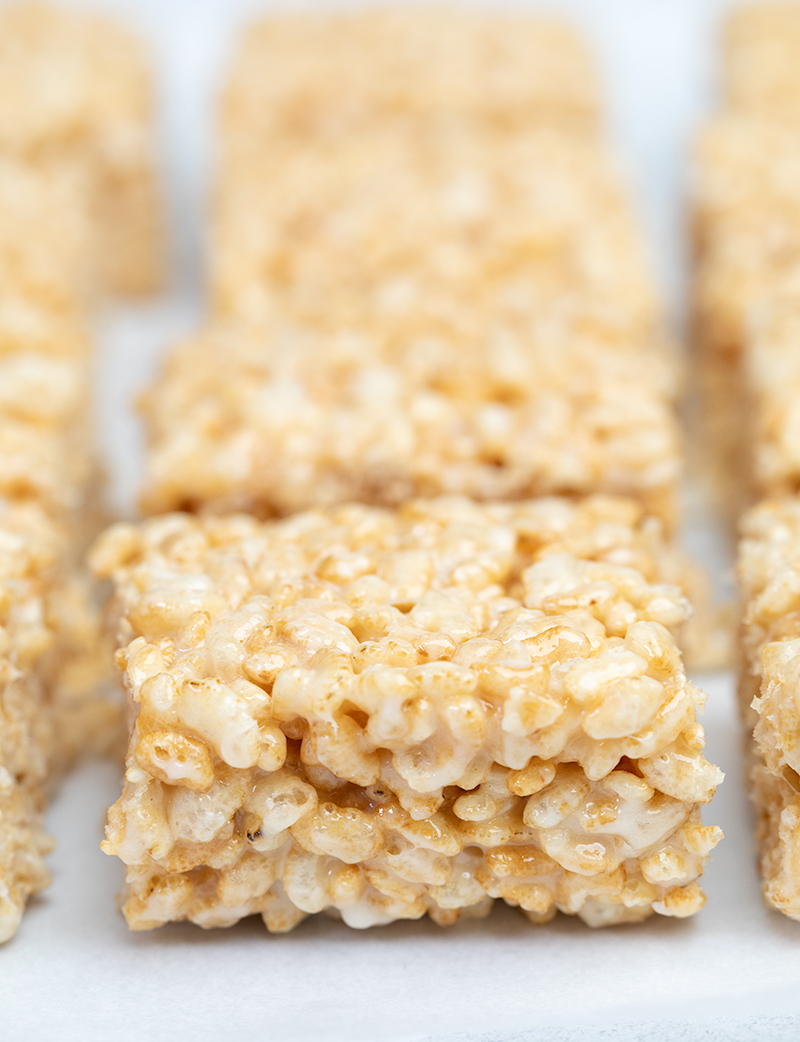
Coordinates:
column 77, row 84
column 383, row 714
column 769, row 576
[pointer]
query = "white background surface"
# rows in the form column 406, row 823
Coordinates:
column 75, row 973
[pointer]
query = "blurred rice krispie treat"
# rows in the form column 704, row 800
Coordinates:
column 440, row 63
column 496, row 227
column 760, row 72
column 30, row 546
column 746, row 229
column 769, row 577
column 77, row 84
column 383, row 714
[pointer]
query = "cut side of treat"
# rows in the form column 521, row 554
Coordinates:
column 382, row 714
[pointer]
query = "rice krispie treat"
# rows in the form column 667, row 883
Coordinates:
column 296, row 418
column 497, row 225
column 769, row 578
column 385, row 714
column 74, row 83
column 30, row 547
column 746, row 228
column 761, row 43
column 437, row 63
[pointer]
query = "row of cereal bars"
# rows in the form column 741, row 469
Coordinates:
column 78, row 218
column 402, row 634
column 747, row 239
column 453, row 675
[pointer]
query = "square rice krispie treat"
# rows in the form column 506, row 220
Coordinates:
column 276, row 419
column 501, row 341
column 435, row 63
column 769, row 578
column 383, row 714
column 497, row 226
column 760, row 71
column 75, row 83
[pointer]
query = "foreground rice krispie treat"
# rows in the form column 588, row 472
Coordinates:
column 760, row 72
column 298, row 418
column 385, row 714
column 769, row 577
column 436, row 63
column 75, row 83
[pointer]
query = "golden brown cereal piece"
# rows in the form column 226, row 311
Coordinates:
column 769, row 578
column 438, row 63
column 74, row 83
column 406, row 712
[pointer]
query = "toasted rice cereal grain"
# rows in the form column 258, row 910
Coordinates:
column 385, row 714
column 75, row 83
column 769, row 577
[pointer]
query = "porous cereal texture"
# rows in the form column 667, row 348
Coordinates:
column 384, row 714
column 77, row 84
column 769, row 577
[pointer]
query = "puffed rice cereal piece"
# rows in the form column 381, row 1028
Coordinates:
column 78, row 83
column 382, row 714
